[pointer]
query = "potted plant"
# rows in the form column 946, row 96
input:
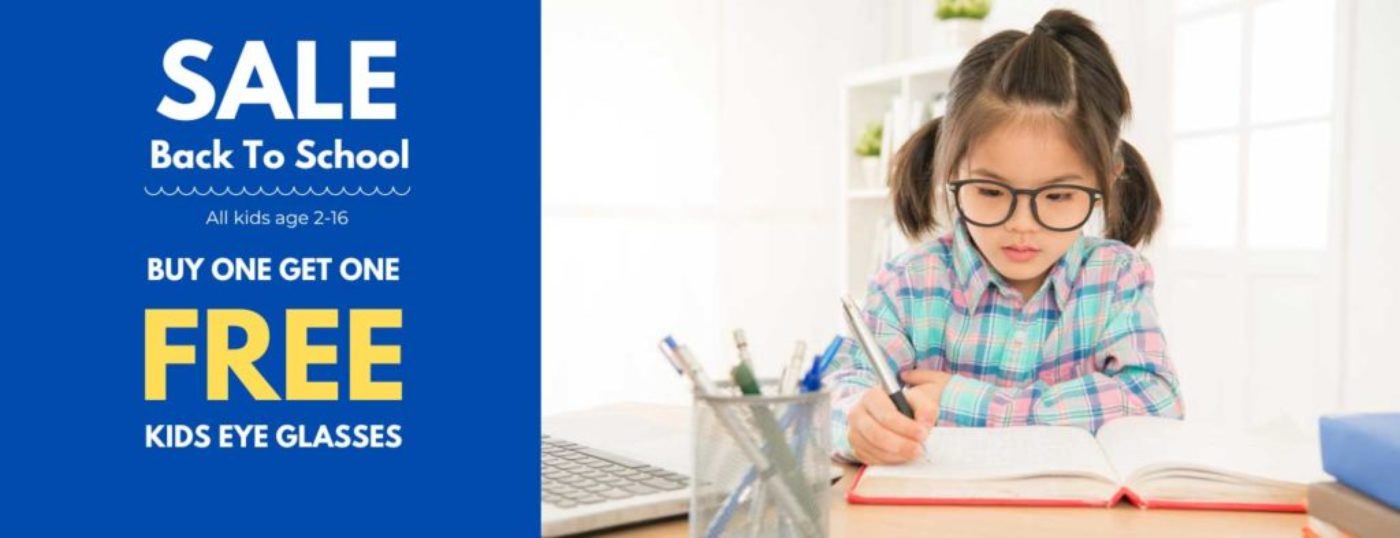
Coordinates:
column 868, row 148
column 961, row 21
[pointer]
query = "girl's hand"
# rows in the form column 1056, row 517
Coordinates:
column 879, row 434
column 924, row 390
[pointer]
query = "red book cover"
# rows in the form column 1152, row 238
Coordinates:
column 1123, row 493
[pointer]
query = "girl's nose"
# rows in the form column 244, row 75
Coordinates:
column 1022, row 219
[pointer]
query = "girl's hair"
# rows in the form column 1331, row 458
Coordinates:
column 1061, row 70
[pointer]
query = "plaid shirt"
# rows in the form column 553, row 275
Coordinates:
column 1085, row 349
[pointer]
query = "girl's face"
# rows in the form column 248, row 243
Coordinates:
column 1024, row 155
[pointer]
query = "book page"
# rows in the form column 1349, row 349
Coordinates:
column 998, row 453
column 1135, row 445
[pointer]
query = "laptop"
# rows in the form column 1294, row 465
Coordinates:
column 615, row 465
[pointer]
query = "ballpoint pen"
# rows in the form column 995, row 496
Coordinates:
column 876, row 355
column 792, row 373
column 812, row 381
column 741, row 341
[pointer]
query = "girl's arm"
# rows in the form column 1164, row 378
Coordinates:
column 1131, row 373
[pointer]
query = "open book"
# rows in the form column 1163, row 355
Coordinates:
column 1153, row 462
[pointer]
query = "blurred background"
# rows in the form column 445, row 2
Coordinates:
column 716, row 164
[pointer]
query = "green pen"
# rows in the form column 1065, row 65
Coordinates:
column 743, row 378
column 788, row 468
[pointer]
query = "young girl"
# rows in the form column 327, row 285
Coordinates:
column 1015, row 317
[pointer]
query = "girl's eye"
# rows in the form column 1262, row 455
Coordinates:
column 989, row 192
column 1060, row 196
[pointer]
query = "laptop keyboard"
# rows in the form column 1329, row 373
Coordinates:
column 572, row 474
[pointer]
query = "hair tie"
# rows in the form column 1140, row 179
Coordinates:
column 1041, row 27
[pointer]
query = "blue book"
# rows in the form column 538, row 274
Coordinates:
column 1363, row 452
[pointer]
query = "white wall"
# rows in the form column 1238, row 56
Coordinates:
column 781, row 62
column 689, row 148
column 629, row 144
column 1371, row 370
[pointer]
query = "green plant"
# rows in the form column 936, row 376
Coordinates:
column 869, row 143
column 962, row 9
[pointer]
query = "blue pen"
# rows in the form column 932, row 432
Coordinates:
column 811, row 382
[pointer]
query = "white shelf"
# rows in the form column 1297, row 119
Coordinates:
column 866, row 216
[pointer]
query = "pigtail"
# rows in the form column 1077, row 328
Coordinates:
column 912, row 180
column 1134, row 208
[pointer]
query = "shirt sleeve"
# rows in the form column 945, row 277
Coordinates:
column 851, row 374
column 1132, row 376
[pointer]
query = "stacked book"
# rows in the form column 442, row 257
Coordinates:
column 1363, row 453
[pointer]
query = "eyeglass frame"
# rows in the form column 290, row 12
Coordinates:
column 1094, row 196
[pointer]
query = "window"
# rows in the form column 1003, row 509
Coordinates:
column 1252, row 122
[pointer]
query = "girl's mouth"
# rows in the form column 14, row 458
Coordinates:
column 1020, row 254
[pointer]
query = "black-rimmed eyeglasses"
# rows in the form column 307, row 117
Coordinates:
column 1061, row 208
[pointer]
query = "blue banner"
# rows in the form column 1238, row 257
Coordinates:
column 271, row 268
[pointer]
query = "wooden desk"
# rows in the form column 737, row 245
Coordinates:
column 1120, row 521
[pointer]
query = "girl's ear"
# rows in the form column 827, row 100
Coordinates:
column 1116, row 181
column 1119, row 177
column 1119, row 169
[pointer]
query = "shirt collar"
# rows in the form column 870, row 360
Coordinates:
column 975, row 276
column 1063, row 274
column 968, row 266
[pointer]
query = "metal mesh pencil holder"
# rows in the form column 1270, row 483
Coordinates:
column 761, row 465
